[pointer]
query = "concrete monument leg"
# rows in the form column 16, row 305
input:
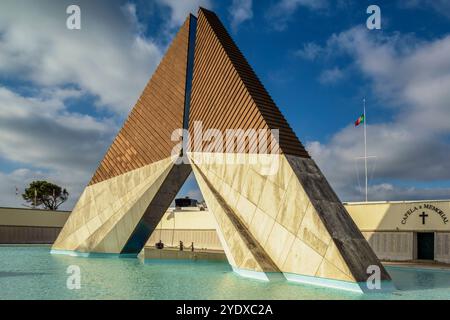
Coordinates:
column 292, row 220
column 286, row 219
column 137, row 179
column 243, row 251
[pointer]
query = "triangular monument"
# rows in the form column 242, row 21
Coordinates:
column 276, row 213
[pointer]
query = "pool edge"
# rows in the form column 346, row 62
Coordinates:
column 355, row 287
column 92, row 254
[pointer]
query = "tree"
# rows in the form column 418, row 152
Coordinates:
column 46, row 194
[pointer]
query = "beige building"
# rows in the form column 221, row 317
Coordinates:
column 190, row 225
column 396, row 230
column 405, row 230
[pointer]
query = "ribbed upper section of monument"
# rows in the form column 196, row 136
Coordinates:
column 203, row 82
column 227, row 94
column 146, row 134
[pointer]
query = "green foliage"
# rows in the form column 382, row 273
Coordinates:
column 45, row 194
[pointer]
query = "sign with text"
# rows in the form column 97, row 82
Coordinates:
column 422, row 214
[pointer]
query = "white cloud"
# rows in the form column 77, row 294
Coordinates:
column 195, row 194
column 440, row 6
column 310, row 51
column 18, row 178
column 280, row 13
column 413, row 79
column 39, row 132
column 291, row 5
column 388, row 191
column 21, row 178
column 330, row 76
column 108, row 57
column 410, row 74
column 181, row 9
column 240, row 11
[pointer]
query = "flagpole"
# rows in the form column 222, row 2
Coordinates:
column 365, row 143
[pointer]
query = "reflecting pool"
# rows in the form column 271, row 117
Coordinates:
column 34, row 273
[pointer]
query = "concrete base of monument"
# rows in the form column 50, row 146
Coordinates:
column 151, row 253
column 92, row 254
column 357, row 287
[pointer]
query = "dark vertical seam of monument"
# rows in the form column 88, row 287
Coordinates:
column 350, row 242
column 189, row 76
column 261, row 256
column 157, row 208
column 177, row 174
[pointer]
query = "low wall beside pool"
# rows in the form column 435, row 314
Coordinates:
column 30, row 226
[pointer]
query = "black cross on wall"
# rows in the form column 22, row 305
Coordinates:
column 423, row 216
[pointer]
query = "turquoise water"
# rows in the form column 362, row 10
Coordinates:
column 33, row 273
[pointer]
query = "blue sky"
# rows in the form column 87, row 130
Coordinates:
column 64, row 94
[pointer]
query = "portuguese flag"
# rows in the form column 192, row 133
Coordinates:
column 360, row 120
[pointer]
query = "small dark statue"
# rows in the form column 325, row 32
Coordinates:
column 159, row 245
